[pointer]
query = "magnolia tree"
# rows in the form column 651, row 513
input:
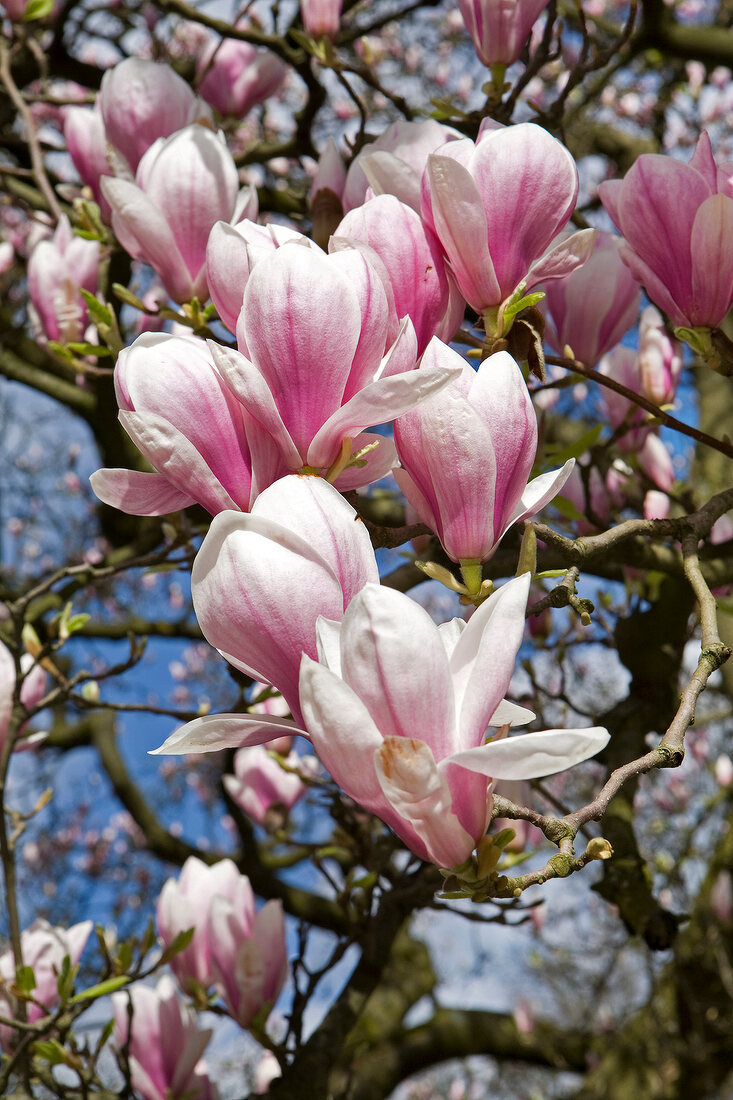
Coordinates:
column 382, row 350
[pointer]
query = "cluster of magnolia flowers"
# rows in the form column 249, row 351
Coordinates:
column 267, row 430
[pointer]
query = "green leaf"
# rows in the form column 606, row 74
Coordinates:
column 180, row 943
column 513, row 308
column 576, row 449
column 76, row 622
column 98, row 311
column 89, row 349
column 66, row 978
column 550, row 574
column 123, row 959
column 127, row 296
column 101, row 989
column 37, row 9
column 25, row 979
column 566, row 508
column 51, row 1050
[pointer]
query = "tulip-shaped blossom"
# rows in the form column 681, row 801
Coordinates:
column 259, row 583
column 163, row 1044
column 57, row 268
column 499, row 28
column 397, row 710
column 249, row 954
column 184, row 184
column 590, row 310
column 44, row 949
column 395, row 162
column 142, row 101
column 496, row 206
column 660, row 359
column 262, row 788
column 86, row 142
column 466, row 456
column 32, row 691
column 205, row 447
column 314, row 386
column 321, row 17
column 231, row 253
column 415, row 266
column 654, row 371
column 677, row 220
column 236, row 76
column 186, row 903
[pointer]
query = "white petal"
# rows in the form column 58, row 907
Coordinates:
column 225, row 731
column 531, row 755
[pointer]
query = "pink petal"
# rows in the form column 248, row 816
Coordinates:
column 482, row 662
column 712, row 261
column 214, row 732
column 176, row 458
column 393, row 658
column 459, row 221
column 418, row 792
column 143, row 231
column 139, row 494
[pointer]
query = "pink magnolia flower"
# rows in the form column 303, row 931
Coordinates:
column 86, row 142
column 184, row 184
column 330, row 172
column 315, row 386
column 395, row 162
column 262, row 788
column 236, row 76
column 678, row 223
column 496, row 206
column 592, row 308
column 259, row 583
column 205, row 447
column 660, row 359
column 411, row 253
column 321, row 17
column 499, row 28
column 186, row 903
column 44, row 949
column 142, row 101
column 467, row 454
column 32, row 691
column 250, row 956
column 397, row 710
column 164, row 1044
column 231, row 253
column 57, row 268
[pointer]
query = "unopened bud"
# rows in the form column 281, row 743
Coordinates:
column 31, row 641
column 598, row 848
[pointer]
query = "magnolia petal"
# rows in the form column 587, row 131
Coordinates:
column 540, row 492
column 139, row 494
column 418, row 791
column 389, row 175
column 459, row 221
column 393, row 658
column 511, row 714
column 531, row 755
column 226, row 731
column 318, row 513
column 343, row 733
column 482, row 662
column 174, row 456
column 563, row 259
column 377, row 462
column 258, row 588
column 378, row 403
column 249, row 387
column 711, row 248
column 328, row 643
column 142, row 231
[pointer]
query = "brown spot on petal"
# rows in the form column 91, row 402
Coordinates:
column 395, row 753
